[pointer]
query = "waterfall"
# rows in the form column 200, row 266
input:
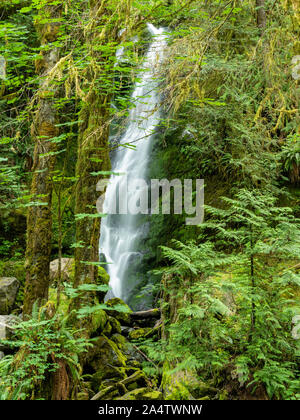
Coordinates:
column 119, row 234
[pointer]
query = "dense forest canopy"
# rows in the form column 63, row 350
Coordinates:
column 209, row 311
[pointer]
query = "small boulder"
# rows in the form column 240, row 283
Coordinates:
column 119, row 310
column 103, row 279
column 9, row 287
column 104, row 353
column 140, row 333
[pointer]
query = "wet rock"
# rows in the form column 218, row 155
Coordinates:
column 99, row 321
column 103, row 279
column 105, row 354
column 115, row 324
column 107, row 376
column 9, row 287
column 130, row 351
column 140, row 333
column 122, row 311
column 126, row 330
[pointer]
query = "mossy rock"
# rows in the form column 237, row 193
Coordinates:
column 103, row 278
column 107, row 393
column 64, row 300
column 136, row 380
column 201, row 389
column 120, row 340
column 122, row 311
column 104, row 352
column 107, row 329
column 175, row 385
column 99, row 321
column 83, row 396
column 140, row 333
column 133, row 356
column 115, row 324
column 107, row 376
column 142, row 394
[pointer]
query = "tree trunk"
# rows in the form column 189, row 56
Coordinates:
column 92, row 156
column 261, row 14
column 39, row 218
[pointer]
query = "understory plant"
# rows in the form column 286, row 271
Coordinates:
column 235, row 310
column 46, row 346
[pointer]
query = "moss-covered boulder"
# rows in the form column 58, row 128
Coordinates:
column 119, row 310
column 134, row 357
column 120, row 340
column 175, row 384
column 102, row 279
column 140, row 333
column 107, row 393
column 104, row 353
column 106, row 376
column 136, row 380
column 115, row 325
column 99, row 321
column 142, row 394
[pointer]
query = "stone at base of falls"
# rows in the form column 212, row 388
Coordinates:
column 140, row 333
column 103, row 279
column 1, row 355
column 113, row 365
column 103, row 354
column 122, row 311
column 99, row 321
column 9, row 287
column 128, row 318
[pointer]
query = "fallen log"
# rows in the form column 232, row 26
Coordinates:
column 150, row 313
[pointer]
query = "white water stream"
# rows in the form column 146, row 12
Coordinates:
column 119, row 236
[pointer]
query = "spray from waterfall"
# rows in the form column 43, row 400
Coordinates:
column 120, row 235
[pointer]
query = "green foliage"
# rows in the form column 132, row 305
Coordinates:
column 42, row 342
column 237, row 308
column 290, row 156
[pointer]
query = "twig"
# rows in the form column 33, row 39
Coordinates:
column 144, row 355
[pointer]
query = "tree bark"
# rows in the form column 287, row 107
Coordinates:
column 93, row 156
column 39, row 218
column 92, row 145
column 261, row 14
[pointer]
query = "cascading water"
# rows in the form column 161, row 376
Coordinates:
column 120, row 234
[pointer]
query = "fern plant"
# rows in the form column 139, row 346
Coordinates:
column 43, row 346
column 236, row 309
